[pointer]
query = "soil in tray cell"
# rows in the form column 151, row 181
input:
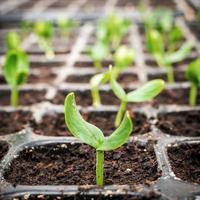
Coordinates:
column 161, row 3
column 74, row 164
column 195, row 28
column 84, row 63
column 185, row 161
column 179, row 76
column 54, row 124
column 11, row 122
column 4, row 147
column 46, row 64
column 184, row 123
column 151, row 196
column 179, row 96
column 125, row 78
column 84, row 98
column 26, row 97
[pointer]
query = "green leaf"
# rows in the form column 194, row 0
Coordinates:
column 13, row 40
column 175, row 34
column 43, row 29
column 16, row 67
column 155, row 43
column 120, row 135
column 123, row 57
column 179, row 55
column 146, row 92
column 117, row 89
column 193, row 72
column 81, row 129
column 98, row 79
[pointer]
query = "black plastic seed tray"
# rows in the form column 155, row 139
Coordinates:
column 164, row 143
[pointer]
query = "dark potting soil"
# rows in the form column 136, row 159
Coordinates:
column 185, row 161
column 174, row 96
column 125, row 78
column 46, row 64
column 195, row 28
column 11, row 122
column 150, row 196
column 54, row 125
column 179, row 76
column 104, row 63
column 161, row 3
column 184, row 123
column 127, row 3
column 26, row 97
column 84, row 98
column 74, row 164
column 4, row 147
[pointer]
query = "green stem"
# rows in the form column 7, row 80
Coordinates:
column 170, row 74
column 193, row 95
column 14, row 96
column 99, row 167
column 98, row 65
column 95, row 96
column 120, row 113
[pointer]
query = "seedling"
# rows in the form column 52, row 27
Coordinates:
column 193, row 75
column 144, row 93
column 13, row 41
column 93, row 136
column 15, row 70
column 97, row 53
column 66, row 25
column 156, row 47
column 112, row 29
column 123, row 57
column 44, row 32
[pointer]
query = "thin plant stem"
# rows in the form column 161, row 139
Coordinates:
column 193, row 95
column 14, row 96
column 170, row 74
column 120, row 113
column 99, row 168
column 95, row 96
column 98, row 65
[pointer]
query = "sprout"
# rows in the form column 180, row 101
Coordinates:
column 66, row 25
column 193, row 75
column 44, row 32
column 112, row 29
column 98, row 53
column 144, row 93
column 15, row 70
column 13, row 40
column 156, row 47
column 123, row 57
column 93, row 136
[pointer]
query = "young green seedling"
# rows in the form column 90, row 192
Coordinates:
column 44, row 32
column 15, row 70
column 123, row 57
column 97, row 53
column 93, row 136
column 13, row 40
column 193, row 75
column 144, row 93
column 112, row 29
column 156, row 47
column 66, row 25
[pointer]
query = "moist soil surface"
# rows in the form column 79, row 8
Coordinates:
column 74, row 164
column 184, row 123
column 11, row 122
column 54, row 125
column 3, row 149
column 125, row 78
column 26, row 97
column 185, row 162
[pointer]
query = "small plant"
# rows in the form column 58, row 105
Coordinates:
column 44, row 32
column 144, row 93
column 193, row 75
column 13, row 40
column 93, row 136
column 123, row 57
column 66, row 25
column 15, row 70
column 97, row 53
column 156, row 47
column 112, row 29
